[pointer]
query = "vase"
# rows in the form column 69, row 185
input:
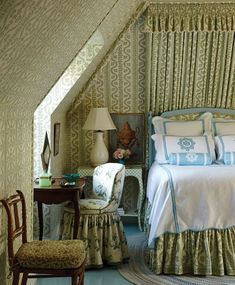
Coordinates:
column 122, row 161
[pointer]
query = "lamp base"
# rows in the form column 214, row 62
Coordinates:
column 99, row 154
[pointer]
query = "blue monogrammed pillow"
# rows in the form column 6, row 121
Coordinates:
column 191, row 158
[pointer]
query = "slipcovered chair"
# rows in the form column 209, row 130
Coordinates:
column 47, row 258
column 100, row 225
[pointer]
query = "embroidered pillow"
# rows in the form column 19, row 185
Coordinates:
column 183, row 128
column 223, row 127
column 164, row 145
column 224, row 144
column 229, row 158
column 190, row 158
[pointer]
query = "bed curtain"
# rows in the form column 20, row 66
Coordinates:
column 210, row 252
column 190, row 56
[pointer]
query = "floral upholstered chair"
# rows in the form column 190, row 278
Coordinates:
column 100, row 225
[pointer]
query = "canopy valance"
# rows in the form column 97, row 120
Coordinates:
column 190, row 17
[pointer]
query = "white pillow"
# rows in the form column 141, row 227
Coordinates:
column 165, row 145
column 223, row 127
column 191, row 158
column 224, row 144
column 183, row 128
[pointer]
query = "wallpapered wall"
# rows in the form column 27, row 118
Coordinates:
column 119, row 84
column 15, row 164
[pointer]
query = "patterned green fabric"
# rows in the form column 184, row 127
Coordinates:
column 190, row 70
column 189, row 17
column 52, row 254
column 100, row 226
column 204, row 253
column 103, row 235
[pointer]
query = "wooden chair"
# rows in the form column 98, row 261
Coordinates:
column 47, row 258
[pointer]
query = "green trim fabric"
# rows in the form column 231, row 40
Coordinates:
column 190, row 17
column 210, row 252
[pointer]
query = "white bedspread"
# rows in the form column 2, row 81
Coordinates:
column 190, row 197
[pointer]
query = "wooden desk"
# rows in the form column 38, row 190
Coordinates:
column 56, row 194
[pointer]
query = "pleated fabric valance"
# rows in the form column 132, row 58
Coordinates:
column 189, row 17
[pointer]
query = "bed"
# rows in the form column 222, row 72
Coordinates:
column 190, row 215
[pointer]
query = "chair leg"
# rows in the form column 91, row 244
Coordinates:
column 24, row 279
column 16, row 275
column 81, row 275
column 81, row 278
column 74, row 280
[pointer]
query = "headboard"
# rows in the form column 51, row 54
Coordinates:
column 184, row 114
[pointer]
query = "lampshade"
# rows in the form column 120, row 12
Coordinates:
column 99, row 119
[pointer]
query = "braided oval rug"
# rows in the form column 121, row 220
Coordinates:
column 137, row 272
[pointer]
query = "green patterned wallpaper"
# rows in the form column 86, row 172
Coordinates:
column 119, row 84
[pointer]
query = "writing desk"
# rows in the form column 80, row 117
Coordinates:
column 55, row 194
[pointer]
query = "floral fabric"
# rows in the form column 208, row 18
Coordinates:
column 100, row 225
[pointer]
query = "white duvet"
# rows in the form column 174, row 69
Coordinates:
column 190, row 197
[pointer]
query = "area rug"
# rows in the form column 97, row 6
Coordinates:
column 137, row 272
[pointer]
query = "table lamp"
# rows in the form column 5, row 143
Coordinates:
column 99, row 120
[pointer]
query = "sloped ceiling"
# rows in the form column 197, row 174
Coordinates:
column 39, row 38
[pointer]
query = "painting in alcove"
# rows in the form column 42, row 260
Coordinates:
column 130, row 134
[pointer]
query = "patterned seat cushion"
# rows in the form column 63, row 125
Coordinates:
column 51, row 254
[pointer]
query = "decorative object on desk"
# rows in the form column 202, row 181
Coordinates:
column 70, row 179
column 46, row 154
column 45, row 177
column 99, row 120
column 130, row 134
column 121, row 155
column 56, row 138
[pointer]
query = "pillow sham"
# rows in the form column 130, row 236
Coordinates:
column 223, row 127
column 183, row 128
column 190, row 158
column 164, row 145
column 224, row 144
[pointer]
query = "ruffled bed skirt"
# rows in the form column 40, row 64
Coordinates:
column 103, row 235
column 210, row 252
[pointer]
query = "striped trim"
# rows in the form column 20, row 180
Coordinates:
column 177, row 229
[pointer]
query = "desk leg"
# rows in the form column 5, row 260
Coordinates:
column 40, row 218
column 76, row 219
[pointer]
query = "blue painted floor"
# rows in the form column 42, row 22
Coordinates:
column 103, row 276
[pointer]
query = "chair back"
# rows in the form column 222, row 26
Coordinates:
column 103, row 180
column 16, row 214
column 108, row 180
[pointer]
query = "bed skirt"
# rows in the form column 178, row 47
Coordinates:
column 209, row 252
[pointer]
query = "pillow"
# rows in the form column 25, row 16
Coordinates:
column 229, row 158
column 224, row 144
column 183, row 128
column 223, row 127
column 164, row 145
column 190, row 158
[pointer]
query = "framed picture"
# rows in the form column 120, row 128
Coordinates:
column 130, row 134
column 56, row 138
